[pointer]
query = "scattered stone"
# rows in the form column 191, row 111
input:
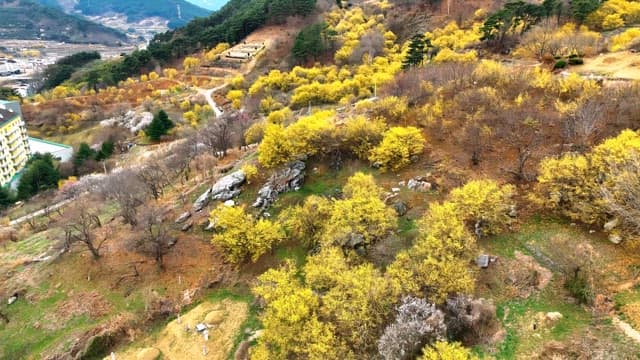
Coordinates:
column 210, row 227
column 483, row 261
column 148, row 354
column 215, row 317
column 202, row 200
column 402, row 183
column 215, row 281
column 610, row 225
column 395, row 190
column 419, row 185
column 131, row 120
column 255, row 336
column 592, row 231
column 513, row 211
column 182, row 218
column 229, row 203
column 353, row 241
column 187, row 226
column 615, row 238
column 290, row 178
column 553, row 316
column 400, row 207
column 12, row 299
column 224, row 189
column 201, row 327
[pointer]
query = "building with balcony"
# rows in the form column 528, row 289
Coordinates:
column 14, row 142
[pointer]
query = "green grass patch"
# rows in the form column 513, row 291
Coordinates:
column 20, row 337
column 294, row 252
column 520, row 313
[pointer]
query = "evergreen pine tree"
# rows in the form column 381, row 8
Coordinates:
column 159, row 126
column 417, row 51
column 6, row 197
column 84, row 153
column 167, row 124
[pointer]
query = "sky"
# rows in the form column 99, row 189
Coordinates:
column 209, row 4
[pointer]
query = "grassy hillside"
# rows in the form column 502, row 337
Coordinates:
column 25, row 19
column 139, row 10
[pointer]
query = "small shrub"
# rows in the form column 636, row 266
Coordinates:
column 560, row 64
column 576, row 61
column 579, row 287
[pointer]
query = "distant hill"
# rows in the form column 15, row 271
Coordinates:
column 26, row 19
column 178, row 12
column 209, row 4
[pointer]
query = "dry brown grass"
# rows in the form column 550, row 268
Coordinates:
column 632, row 312
column 177, row 344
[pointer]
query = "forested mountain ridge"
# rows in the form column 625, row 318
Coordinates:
column 25, row 19
column 380, row 179
column 177, row 12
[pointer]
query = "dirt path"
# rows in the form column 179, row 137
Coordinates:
column 39, row 212
column 627, row 329
column 207, row 94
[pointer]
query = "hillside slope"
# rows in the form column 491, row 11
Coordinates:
column 177, row 12
column 209, row 4
column 23, row 19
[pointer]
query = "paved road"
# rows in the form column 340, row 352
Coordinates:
column 40, row 212
column 207, row 94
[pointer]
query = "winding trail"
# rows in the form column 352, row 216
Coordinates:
column 627, row 329
column 40, row 212
column 207, row 94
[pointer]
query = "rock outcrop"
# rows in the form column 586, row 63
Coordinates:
column 290, row 178
column 131, row 120
column 224, row 189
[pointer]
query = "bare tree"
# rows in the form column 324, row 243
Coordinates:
column 125, row 188
column 178, row 163
column 418, row 322
column 154, row 240
column 524, row 139
column 469, row 319
column 622, row 192
column 154, row 177
column 581, row 126
column 242, row 123
column 80, row 225
column 218, row 135
column 371, row 43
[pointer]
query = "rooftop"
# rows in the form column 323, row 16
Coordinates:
column 6, row 113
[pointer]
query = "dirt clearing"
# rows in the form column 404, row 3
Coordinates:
column 223, row 320
column 619, row 65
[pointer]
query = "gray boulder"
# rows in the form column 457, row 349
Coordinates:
column 187, row 226
column 419, row 185
column 290, row 178
column 615, row 238
column 400, row 207
column 224, row 189
column 182, row 218
column 610, row 225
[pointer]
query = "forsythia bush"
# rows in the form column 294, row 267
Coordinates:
column 443, row 350
column 398, row 145
column 448, row 55
column 304, row 137
column 241, row 236
column 484, row 202
column 613, row 14
column 625, row 39
column 572, row 184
